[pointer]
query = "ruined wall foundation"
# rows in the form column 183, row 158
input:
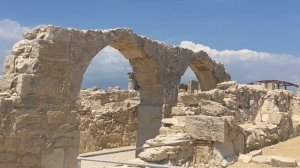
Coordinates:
column 108, row 119
column 223, row 123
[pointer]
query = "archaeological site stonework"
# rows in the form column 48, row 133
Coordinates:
column 40, row 119
column 213, row 128
column 108, row 119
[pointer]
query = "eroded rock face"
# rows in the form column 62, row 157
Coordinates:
column 108, row 119
column 231, row 120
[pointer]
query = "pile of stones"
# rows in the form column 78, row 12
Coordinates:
column 218, row 126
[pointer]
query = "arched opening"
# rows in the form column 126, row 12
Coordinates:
column 108, row 68
column 189, row 82
column 151, row 93
column 205, row 75
column 108, row 110
column 198, row 76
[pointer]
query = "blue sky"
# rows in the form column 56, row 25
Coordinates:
column 261, row 26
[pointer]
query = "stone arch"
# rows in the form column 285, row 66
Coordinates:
column 42, row 79
column 151, row 89
column 46, row 71
column 208, row 72
column 204, row 75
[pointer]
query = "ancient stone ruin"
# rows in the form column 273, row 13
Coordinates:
column 42, row 79
column 213, row 128
column 47, row 120
column 108, row 119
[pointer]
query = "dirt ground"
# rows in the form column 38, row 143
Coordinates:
column 289, row 148
column 249, row 165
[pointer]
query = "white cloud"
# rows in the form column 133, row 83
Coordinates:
column 10, row 32
column 108, row 68
column 248, row 65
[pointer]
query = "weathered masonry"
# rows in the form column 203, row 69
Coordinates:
column 42, row 79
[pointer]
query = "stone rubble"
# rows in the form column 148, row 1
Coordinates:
column 245, row 158
column 274, row 161
column 278, row 161
column 229, row 121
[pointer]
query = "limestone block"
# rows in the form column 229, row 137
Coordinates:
column 29, row 160
column 155, row 154
column 28, row 84
column 152, row 94
column 70, row 158
column 189, row 100
column 275, row 118
column 28, row 119
column 6, row 82
column 55, row 159
column 59, row 50
column 262, row 159
column 208, row 128
column 8, row 157
column 278, row 161
column 178, row 111
column 174, row 121
column 168, row 131
column 26, row 65
column 228, row 161
column 30, row 34
column 2, row 141
column 67, row 127
column 217, row 95
column 175, row 139
column 5, row 106
column 9, row 165
column 21, row 47
column 213, row 108
column 230, row 102
column 298, row 162
column 63, row 142
column 169, row 121
column 32, row 144
column 55, row 117
column 12, row 144
column 9, row 64
column 175, row 154
column 149, row 122
column 202, row 154
column 239, row 143
column 224, row 153
column 245, row 158
column 255, row 153
column 226, row 85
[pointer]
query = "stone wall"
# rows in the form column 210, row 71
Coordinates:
column 108, row 119
column 42, row 79
column 224, row 122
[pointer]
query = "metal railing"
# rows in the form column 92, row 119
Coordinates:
column 84, row 157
